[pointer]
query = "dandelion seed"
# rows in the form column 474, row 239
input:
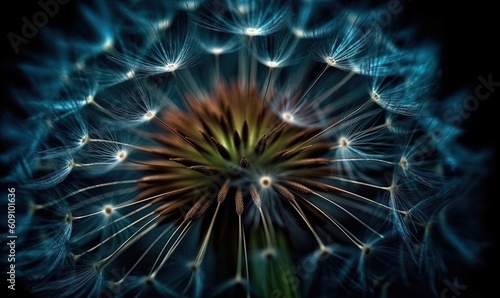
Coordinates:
column 121, row 155
column 265, row 181
column 107, row 210
column 252, row 31
column 130, row 74
column 107, row 45
column 288, row 117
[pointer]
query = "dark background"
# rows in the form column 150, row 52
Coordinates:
column 469, row 34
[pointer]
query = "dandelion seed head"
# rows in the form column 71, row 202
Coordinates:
column 206, row 148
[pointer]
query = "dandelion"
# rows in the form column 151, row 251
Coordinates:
column 235, row 149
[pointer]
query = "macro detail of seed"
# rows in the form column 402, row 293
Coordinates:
column 246, row 148
column 231, row 138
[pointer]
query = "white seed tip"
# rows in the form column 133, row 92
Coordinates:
column 89, row 99
column 68, row 218
column 149, row 115
column 107, row 210
column 80, row 65
column 388, row 122
column 171, row 67
column 216, row 51
column 299, row 33
column 269, row 253
column 130, row 74
column 84, row 140
column 121, row 155
column 243, row 9
column 163, row 24
column 265, row 181
column 107, row 45
column 344, row 142
column 287, row 117
column 190, row 5
column 403, row 163
column 324, row 252
column 272, row 64
column 252, row 31
column 331, row 61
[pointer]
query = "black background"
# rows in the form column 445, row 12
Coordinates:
column 469, row 34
